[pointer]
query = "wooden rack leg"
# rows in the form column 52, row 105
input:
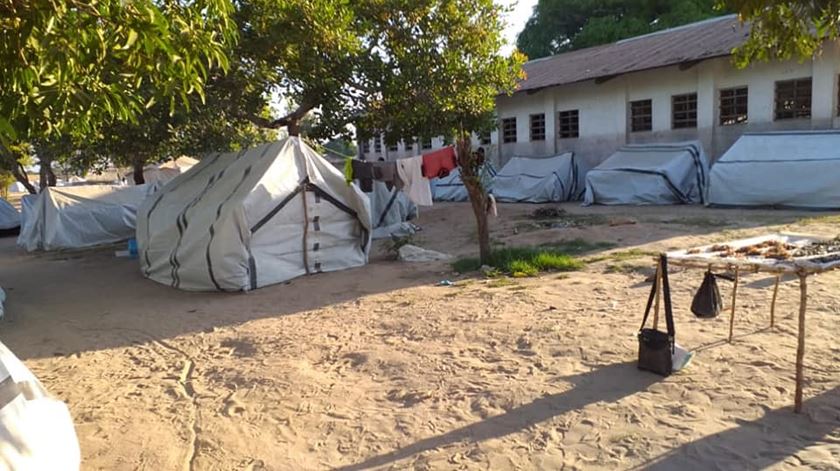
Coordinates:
column 800, row 348
column 658, row 282
column 734, row 300
column 773, row 303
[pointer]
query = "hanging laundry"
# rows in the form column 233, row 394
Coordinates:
column 363, row 171
column 439, row 163
column 386, row 172
column 348, row 170
column 417, row 186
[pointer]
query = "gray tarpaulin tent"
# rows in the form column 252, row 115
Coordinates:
column 80, row 216
column 9, row 216
column 451, row 187
column 390, row 210
column 792, row 169
column 246, row 220
column 537, row 180
column 648, row 174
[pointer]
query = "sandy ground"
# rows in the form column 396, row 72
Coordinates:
column 379, row 368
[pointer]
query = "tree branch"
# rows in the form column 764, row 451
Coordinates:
column 291, row 118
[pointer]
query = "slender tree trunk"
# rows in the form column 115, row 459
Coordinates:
column 137, row 166
column 294, row 128
column 20, row 175
column 47, row 177
column 471, row 176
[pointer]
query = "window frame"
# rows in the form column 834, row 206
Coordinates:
column 570, row 119
column 366, row 146
column 737, row 102
column 377, row 145
column 536, row 127
column 506, row 128
column 793, row 113
column 645, row 118
column 395, row 147
column 426, row 143
column 684, row 118
column 408, row 144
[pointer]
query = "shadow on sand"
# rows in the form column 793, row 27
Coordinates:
column 606, row 383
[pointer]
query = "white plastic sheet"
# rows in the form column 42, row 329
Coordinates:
column 9, row 215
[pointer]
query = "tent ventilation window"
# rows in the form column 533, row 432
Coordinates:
column 509, row 130
column 793, row 99
column 733, row 106
column 641, row 115
column 538, row 127
column 684, row 111
column 568, row 126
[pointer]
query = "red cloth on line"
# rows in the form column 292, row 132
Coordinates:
column 439, row 163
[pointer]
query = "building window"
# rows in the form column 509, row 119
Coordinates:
column 408, row 144
column 366, row 146
column 538, row 127
column 793, row 99
column 509, row 130
column 641, row 115
column 393, row 147
column 377, row 144
column 733, row 106
column 684, row 111
column 426, row 143
column 484, row 138
column 568, row 124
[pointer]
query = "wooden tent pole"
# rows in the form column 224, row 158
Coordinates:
column 734, row 301
column 800, row 348
column 773, row 303
column 658, row 282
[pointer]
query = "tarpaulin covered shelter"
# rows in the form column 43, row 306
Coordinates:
column 650, row 174
column 798, row 169
column 162, row 173
column 390, row 211
column 451, row 187
column 537, row 180
column 80, row 216
column 9, row 216
column 241, row 221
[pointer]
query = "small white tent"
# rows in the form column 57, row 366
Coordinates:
column 451, row 187
column 649, row 174
column 790, row 169
column 537, row 180
column 17, row 187
column 80, row 216
column 36, row 430
column 246, row 220
column 9, row 216
column 390, row 210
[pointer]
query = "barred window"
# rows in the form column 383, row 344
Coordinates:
column 538, row 127
column 641, row 115
column 568, row 124
column 793, row 99
column 426, row 143
column 408, row 144
column 509, row 130
column 733, row 106
column 366, row 146
column 484, row 138
column 684, row 111
column 377, row 144
column 392, row 147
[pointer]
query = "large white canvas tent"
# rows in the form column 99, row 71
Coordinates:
column 650, row 174
column 451, row 187
column 80, row 216
column 246, row 220
column 36, row 430
column 390, row 211
column 9, row 216
column 790, row 169
column 537, row 180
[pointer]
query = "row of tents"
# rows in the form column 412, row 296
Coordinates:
column 268, row 214
column 775, row 169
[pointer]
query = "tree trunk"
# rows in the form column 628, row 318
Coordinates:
column 20, row 175
column 137, row 165
column 471, row 176
column 294, row 128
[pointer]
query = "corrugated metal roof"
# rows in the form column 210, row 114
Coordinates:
column 689, row 43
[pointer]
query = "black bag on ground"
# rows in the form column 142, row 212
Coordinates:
column 655, row 346
column 707, row 302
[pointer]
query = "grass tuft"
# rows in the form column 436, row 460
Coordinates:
column 523, row 261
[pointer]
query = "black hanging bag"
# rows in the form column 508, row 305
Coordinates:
column 707, row 302
column 655, row 346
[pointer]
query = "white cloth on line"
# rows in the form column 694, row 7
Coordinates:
column 417, row 186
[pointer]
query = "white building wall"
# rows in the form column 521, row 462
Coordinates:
column 604, row 107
